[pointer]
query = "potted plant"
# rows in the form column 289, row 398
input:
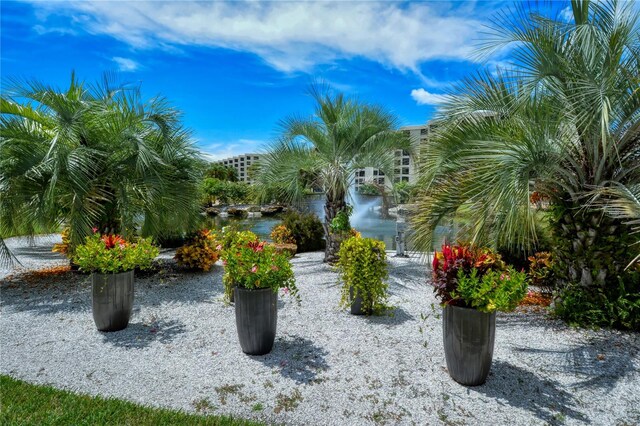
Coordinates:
column 473, row 284
column 111, row 260
column 255, row 271
column 232, row 237
column 363, row 269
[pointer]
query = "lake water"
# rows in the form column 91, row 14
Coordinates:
column 365, row 218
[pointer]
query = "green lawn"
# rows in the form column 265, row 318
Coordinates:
column 24, row 404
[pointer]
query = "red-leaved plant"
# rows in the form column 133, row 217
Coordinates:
column 460, row 257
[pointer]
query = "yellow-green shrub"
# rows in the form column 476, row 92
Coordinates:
column 282, row 235
column 201, row 251
column 363, row 267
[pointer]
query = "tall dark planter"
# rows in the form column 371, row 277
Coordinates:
column 112, row 300
column 256, row 319
column 469, row 336
column 356, row 303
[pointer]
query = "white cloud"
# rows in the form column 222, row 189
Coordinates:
column 40, row 29
column 423, row 97
column 566, row 14
column 215, row 151
column 125, row 64
column 290, row 36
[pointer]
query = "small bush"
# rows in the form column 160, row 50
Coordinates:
column 200, row 252
column 64, row 247
column 340, row 224
column 306, row 229
column 541, row 271
column 363, row 267
column 280, row 234
column 612, row 306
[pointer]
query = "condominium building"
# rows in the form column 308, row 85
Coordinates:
column 241, row 163
column 405, row 169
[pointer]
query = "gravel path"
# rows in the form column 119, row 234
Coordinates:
column 327, row 367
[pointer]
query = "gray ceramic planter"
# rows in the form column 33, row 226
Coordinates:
column 469, row 336
column 256, row 319
column 356, row 303
column 112, row 300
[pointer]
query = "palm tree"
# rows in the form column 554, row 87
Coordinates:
column 324, row 151
column 94, row 156
column 563, row 124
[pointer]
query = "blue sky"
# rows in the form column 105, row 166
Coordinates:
column 236, row 69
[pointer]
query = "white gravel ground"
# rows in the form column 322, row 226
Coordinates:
column 327, row 367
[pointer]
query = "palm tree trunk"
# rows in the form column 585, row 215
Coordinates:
column 591, row 250
column 331, row 209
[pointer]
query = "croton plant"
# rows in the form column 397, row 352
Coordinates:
column 473, row 277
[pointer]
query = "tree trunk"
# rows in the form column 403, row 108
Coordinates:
column 591, row 249
column 331, row 209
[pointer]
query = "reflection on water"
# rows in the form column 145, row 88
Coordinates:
column 365, row 218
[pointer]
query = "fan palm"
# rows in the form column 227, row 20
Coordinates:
column 324, row 151
column 563, row 124
column 93, row 156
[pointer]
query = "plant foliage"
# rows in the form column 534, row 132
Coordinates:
column 363, row 270
column 325, row 149
column 473, row 277
column 559, row 130
column 254, row 264
column 112, row 254
column 306, row 229
column 280, row 234
column 94, row 156
column 200, row 252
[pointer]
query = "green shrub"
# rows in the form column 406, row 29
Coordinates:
column 280, row 234
column 612, row 306
column 111, row 254
column 307, row 230
column 340, row 224
column 491, row 291
column 363, row 267
column 541, row 271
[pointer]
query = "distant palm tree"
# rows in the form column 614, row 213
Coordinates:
column 94, row 156
column 563, row 124
column 324, row 151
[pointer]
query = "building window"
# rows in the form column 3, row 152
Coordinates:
column 397, row 162
column 405, row 153
column 405, row 170
column 405, row 161
column 396, row 171
column 424, row 131
column 405, row 178
column 398, row 153
column 242, row 169
column 381, row 173
column 397, row 179
column 361, row 173
column 375, row 173
column 380, row 181
column 255, row 158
